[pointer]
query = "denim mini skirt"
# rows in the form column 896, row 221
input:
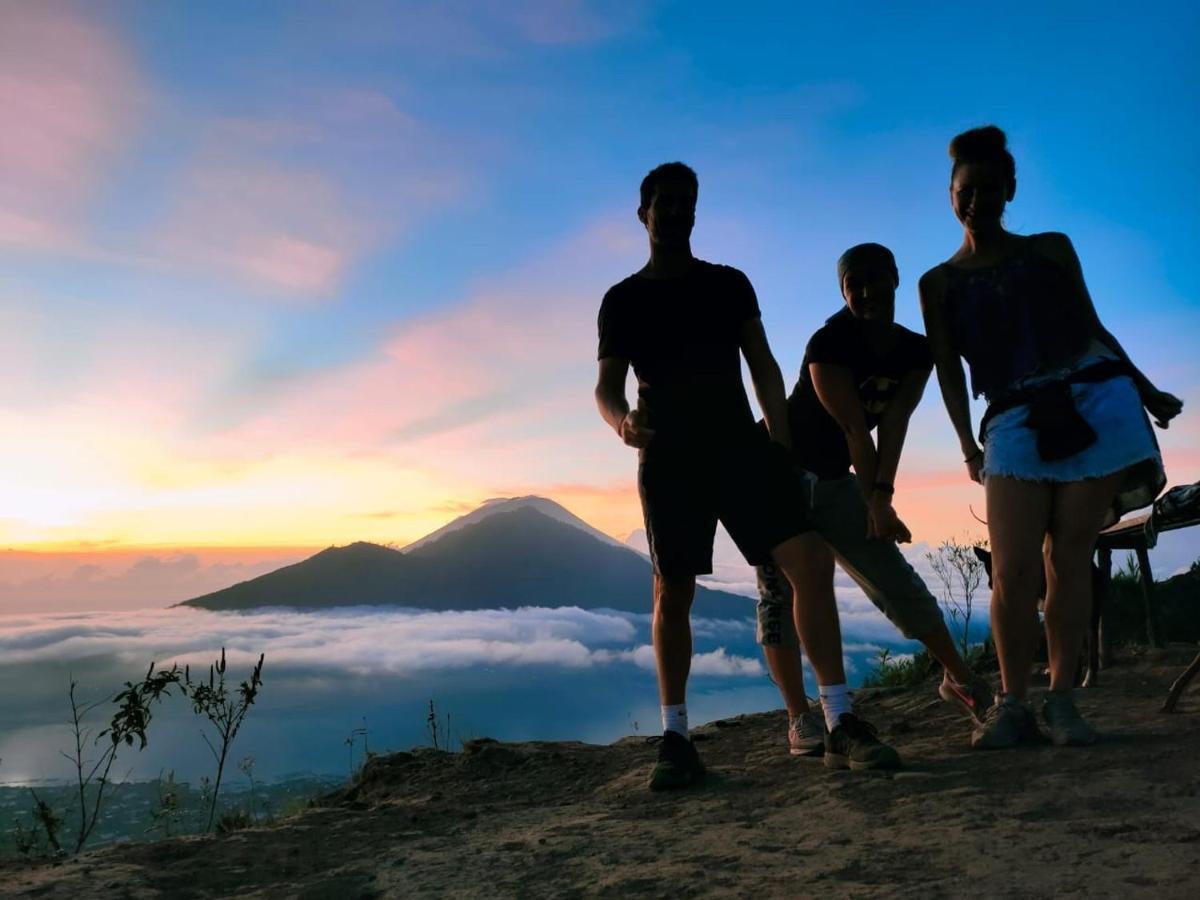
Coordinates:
column 1125, row 441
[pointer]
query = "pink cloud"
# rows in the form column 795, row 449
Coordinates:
column 521, row 347
column 296, row 264
column 68, row 92
column 283, row 228
column 290, row 201
column 33, row 232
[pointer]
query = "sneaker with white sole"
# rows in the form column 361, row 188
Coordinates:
column 806, row 734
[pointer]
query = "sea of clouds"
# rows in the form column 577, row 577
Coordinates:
column 529, row 673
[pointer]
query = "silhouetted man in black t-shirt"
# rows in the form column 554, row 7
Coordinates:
column 862, row 372
column 684, row 324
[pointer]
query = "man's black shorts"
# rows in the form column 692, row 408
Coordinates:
column 749, row 485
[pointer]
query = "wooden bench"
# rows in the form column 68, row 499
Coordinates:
column 1139, row 534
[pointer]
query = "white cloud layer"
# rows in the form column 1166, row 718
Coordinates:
column 361, row 641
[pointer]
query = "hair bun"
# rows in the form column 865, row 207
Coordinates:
column 984, row 145
column 987, row 142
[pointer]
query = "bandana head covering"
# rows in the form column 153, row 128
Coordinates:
column 867, row 254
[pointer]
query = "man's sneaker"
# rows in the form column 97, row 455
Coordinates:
column 1067, row 727
column 806, row 734
column 678, row 764
column 853, row 745
column 975, row 697
column 1008, row 723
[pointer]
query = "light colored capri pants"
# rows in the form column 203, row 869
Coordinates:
column 839, row 515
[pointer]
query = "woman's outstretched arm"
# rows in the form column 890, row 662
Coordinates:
column 1161, row 405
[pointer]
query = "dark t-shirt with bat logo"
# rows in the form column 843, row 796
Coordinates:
column 818, row 442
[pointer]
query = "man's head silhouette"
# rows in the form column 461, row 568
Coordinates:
column 869, row 278
column 668, row 205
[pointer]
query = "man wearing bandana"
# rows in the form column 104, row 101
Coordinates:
column 861, row 373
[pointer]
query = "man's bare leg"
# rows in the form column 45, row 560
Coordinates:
column 807, row 563
column 941, row 647
column 787, row 671
column 671, row 633
column 678, row 763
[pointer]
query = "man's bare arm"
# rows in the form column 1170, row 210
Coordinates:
column 893, row 425
column 614, row 407
column 768, row 380
column 835, row 389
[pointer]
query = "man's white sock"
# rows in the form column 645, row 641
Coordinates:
column 674, row 718
column 835, row 700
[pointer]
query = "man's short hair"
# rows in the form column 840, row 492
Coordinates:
column 672, row 171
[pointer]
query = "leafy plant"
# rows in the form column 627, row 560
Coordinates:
column 50, row 821
column 920, row 668
column 129, row 723
column 40, row 838
column 1131, row 572
column 902, row 672
column 225, row 710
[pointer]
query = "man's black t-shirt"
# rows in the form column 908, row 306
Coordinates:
column 818, row 442
column 682, row 336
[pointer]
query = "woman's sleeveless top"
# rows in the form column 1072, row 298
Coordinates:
column 1023, row 315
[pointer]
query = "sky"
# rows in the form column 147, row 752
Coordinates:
column 284, row 275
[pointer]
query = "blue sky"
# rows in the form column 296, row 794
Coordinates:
column 301, row 273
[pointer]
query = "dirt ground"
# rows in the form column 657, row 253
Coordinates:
column 1121, row 819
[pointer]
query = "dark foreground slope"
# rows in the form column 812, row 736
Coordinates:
column 1118, row 820
column 521, row 557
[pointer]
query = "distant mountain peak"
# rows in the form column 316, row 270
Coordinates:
column 511, row 552
column 496, row 505
column 358, row 550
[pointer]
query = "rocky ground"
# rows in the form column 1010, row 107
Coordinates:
column 1121, row 819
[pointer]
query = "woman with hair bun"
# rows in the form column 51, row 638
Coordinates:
column 1067, row 447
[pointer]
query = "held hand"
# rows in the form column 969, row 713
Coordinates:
column 882, row 521
column 1163, row 407
column 633, row 430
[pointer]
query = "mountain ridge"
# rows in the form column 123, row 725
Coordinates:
column 512, row 557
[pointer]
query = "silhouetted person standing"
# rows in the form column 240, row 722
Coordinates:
column 684, row 324
column 1066, row 444
column 862, row 372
